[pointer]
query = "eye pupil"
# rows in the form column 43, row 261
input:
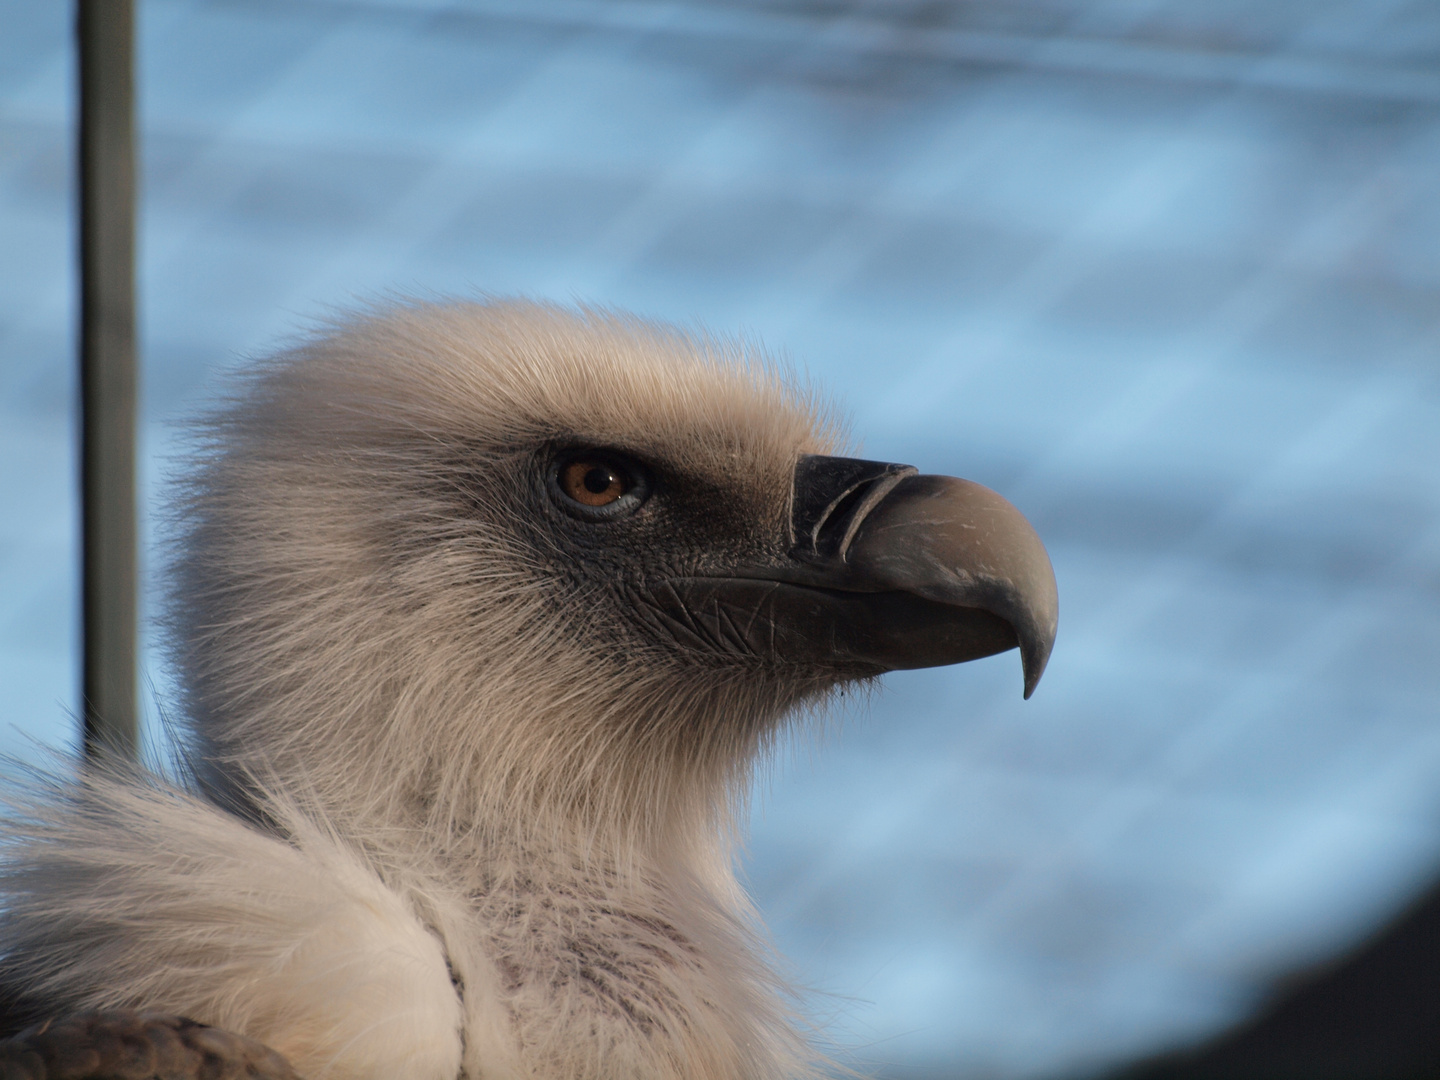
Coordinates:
column 599, row 479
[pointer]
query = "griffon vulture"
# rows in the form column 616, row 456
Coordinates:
column 484, row 612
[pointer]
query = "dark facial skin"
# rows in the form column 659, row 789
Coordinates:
column 876, row 569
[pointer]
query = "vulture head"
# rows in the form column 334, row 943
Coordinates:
column 510, row 566
column 483, row 613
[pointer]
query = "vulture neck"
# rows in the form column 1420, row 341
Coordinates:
column 661, row 786
column 596, row 901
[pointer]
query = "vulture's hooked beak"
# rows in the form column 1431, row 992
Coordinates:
column 888, row 569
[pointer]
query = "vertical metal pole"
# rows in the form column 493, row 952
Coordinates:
column 105, row 32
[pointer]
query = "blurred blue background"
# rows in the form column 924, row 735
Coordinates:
column 1164, row 272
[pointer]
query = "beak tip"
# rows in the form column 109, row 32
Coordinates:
column 1032, row 679
column 1034, row 656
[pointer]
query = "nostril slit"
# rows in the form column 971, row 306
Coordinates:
column 832, row 497
column 832, row 529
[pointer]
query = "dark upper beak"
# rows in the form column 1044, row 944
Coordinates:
column 888, row 569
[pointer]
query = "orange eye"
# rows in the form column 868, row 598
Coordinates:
column 593, row 483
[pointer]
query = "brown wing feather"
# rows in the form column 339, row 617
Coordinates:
column 126, row 1045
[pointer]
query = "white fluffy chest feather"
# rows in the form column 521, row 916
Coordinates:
column 152, row 897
